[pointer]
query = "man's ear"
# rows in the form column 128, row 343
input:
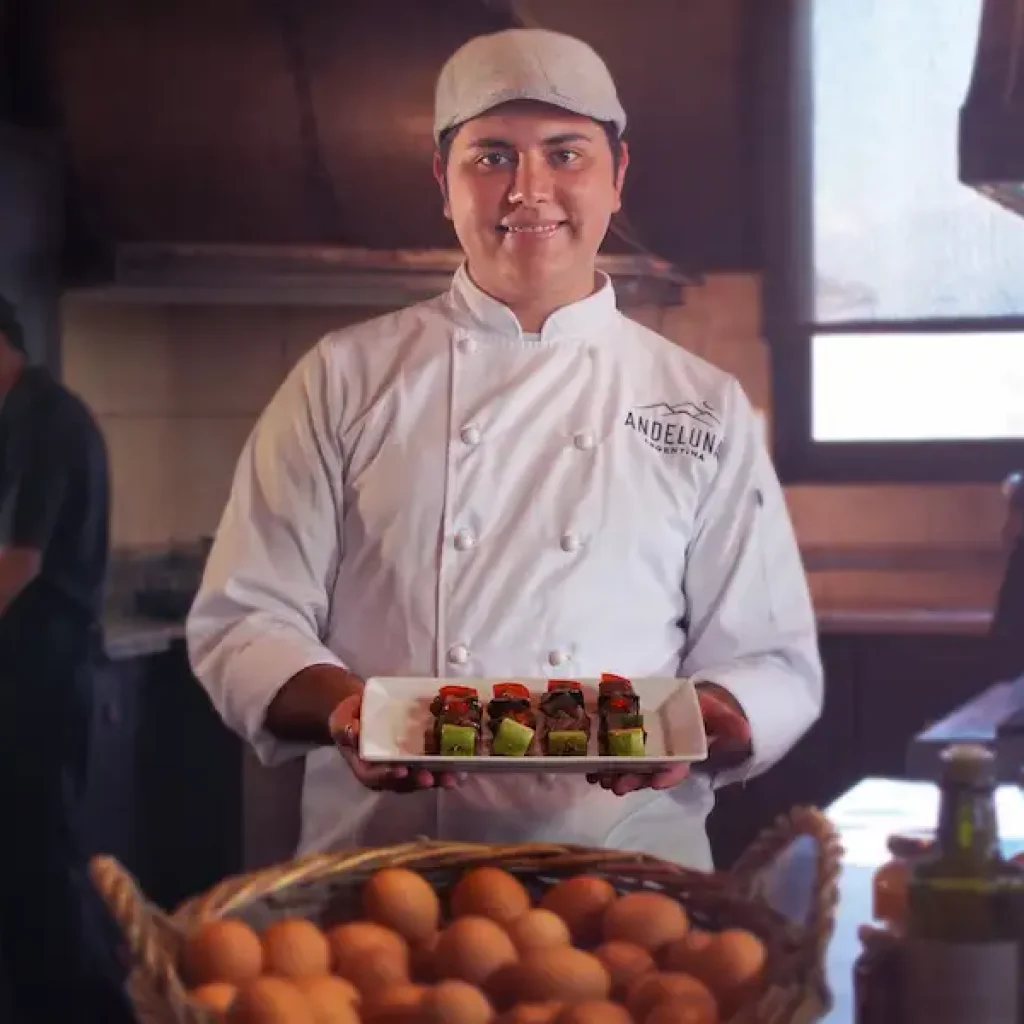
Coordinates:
column 620, row 175
column 441, row 177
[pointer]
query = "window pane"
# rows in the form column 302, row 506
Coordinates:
column 896, row 234
column 917, row 387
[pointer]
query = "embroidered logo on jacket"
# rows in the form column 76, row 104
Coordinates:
column 683, row 429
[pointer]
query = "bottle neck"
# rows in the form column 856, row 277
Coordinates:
column 968, row 828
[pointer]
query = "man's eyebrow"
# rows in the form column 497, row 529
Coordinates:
column 493, row 142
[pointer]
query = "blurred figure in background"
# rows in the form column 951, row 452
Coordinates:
column 57, row 944
column 1007, row 636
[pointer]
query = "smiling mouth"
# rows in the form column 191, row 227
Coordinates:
column 532, row 230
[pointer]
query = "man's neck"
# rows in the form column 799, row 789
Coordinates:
column 532, row 307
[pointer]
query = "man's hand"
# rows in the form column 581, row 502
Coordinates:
column 345, row 729
column 728, row 733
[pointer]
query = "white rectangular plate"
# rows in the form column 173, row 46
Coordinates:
column 396, row 715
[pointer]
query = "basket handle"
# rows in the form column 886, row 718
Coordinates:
column 141, row 924
column 750, row 871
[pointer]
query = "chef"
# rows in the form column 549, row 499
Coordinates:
column 512, row 479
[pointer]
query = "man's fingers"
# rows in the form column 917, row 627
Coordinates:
column 670, row 778
column 629, row 784
column 723, row 721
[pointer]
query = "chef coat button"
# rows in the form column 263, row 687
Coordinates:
column 556, row 658
column 458, row 655
column 470, row 435
column 570, row 542
column 584, row 441
column 465, row 540
column 468, row 345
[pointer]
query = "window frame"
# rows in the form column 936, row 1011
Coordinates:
column 785, row 116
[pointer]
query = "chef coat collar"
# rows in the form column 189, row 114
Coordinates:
column 479, row 312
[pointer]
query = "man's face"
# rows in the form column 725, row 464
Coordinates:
column 530, row 190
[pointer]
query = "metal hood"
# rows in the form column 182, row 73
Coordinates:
column 992, row 117
column 276, row 151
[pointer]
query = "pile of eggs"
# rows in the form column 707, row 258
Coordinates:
column 582, row 955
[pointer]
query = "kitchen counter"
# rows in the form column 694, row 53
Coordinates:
column 905, row 621
column 129, row 636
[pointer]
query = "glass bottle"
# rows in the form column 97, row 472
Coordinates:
column 962, row 951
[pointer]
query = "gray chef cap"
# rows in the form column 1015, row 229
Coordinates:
column 525, row 64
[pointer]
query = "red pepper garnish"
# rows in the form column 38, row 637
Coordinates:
column 457, row 691
column 611, row 677
column 511, row 690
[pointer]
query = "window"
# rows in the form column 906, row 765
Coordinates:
column 905, row 357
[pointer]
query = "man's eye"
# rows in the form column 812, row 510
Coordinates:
column 494, row 160
column 565, row 156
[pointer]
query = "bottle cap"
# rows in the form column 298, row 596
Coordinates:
column 968, row 764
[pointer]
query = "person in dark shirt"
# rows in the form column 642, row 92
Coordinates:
column 57, row 943
column 1007, row 634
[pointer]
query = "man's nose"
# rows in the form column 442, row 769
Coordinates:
column 533, row 181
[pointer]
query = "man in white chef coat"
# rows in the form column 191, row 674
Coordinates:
column 512, row 479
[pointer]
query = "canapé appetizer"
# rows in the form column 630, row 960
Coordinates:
column 512, row 721
column 566, row 724
column 620, row 728
column 455, row 731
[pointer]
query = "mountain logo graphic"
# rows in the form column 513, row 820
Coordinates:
column 702, row 413
column 683, row 428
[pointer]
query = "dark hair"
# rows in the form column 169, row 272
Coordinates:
column 10, row 325
column 444, row 145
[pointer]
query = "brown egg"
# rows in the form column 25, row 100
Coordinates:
column 376, row 969
column 531, row 1013
column 492, row 893
column 348, row 942
column 472, row 949
column 456, row 1002
column 399, row 1004
column 581, row 903
column 594, row 1013
column 682, row 1011
column 332, row 1000
column 225, row 950
column 677, row 956
column 270, row 1001
column 651, row 989
column 217, row 996
column 565, row 975
column 538, row 929
column 624, row 962
column 731, row 964
column 647, row 919
column 295, row 948
column 421, row 960
column 403, row 901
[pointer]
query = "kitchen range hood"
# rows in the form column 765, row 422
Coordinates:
column 992, row 117
column 279, row 153
column 326, row 275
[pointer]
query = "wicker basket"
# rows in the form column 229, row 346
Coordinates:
column 325, row 888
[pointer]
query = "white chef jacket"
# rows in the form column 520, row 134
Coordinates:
column 434, row 493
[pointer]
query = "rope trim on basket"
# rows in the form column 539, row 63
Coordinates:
column 770, row 844
column 141, row 925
